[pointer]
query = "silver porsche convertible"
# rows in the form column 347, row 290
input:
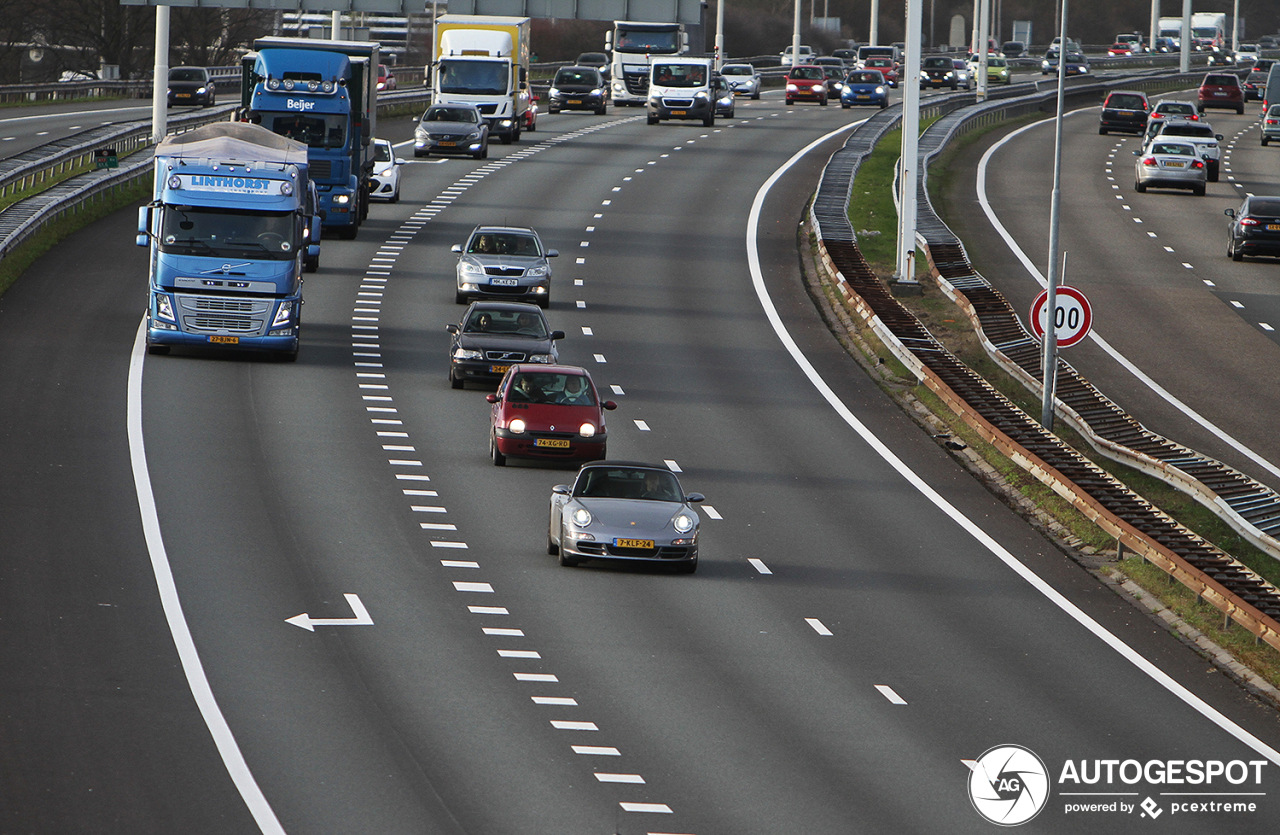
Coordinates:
column 624, row 510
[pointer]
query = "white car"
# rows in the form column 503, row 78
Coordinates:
column 385, row 184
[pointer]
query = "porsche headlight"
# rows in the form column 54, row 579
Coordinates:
column 587, row 430
column 582, row 517
column 516, row 427
column 683, row 523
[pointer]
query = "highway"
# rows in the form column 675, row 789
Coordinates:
column 865, row 618
column 1165, row 295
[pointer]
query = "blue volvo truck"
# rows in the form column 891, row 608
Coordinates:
column 228, row 232
column 324, row 94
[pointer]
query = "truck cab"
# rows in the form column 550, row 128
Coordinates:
column 322, row 94
column 483, row 60
column 632, row 45
column 681, row 88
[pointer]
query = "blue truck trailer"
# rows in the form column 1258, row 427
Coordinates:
column 228, row 230
column 324, row 94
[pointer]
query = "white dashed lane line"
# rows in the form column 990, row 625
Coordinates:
column 818, row 626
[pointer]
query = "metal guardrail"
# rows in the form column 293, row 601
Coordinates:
column 1215, row 576
column 26, row 217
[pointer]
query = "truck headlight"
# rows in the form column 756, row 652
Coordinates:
column 284, row 313
column 342, row 199
column 164, row 307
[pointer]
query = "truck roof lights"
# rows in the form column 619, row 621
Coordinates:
column 175, row 182
column 286, row 189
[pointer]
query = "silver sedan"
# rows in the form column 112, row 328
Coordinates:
column 1166, row 164
column 506, row 262
column 624, row 510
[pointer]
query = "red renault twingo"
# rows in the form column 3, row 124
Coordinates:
column 549, row 412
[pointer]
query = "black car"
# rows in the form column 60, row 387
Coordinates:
column 938, row 71
column 495, row 335
column 599, row 60
column 191, row 85
column 451, row 129
column 1255, row 83
column 1013, row 49
column 1255, row 228
column 1124, row 110
column 578, row 88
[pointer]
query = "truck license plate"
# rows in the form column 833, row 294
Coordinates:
column 553, row 443
column 225, row 340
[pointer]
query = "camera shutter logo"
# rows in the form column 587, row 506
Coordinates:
column 1008, row 785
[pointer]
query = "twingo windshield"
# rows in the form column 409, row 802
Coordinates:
column 317, row 130
column 679, row 75
column 228, row 233
column 481, row 78
column 638, row 40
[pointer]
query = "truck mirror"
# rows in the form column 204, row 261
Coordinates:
column 144, row 225
column 142, row 240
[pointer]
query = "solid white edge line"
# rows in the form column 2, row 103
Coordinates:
column 225, row 741
column 1031, row 268
column 970, row 527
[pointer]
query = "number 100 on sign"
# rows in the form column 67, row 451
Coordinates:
column 1073, row 317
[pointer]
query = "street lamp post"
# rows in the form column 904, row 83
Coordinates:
column 1050, row 358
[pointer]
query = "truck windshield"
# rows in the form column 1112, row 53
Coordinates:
column 481, row 78
column 228, row 233
column 638, row 40
column 317, row 130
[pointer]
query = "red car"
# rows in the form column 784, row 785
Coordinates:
column 1221, row 90
column 807, row 82
column 1120, row 48
column 887, row 68
column 386, row 78
column 531, row 115
column 548, row 412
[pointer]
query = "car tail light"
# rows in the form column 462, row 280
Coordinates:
column 1249, row 221
column 1272, row 121
column 1197, row 164
column 1149, row 161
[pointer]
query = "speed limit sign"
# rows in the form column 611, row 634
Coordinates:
column 1071, row 320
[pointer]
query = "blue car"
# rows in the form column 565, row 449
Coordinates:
column 865, row 87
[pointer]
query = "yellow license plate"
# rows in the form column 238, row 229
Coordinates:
column 225, row 340
column 1273, row 227
column 446, row 144
column 554, row 443
column 633, row 543
column 677, row 113
column 498, row 369
column 575, row 101
column 1174, row 163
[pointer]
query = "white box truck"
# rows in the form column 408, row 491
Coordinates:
column 484, row 60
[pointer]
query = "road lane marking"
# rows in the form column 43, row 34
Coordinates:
column 479, row 588
column 436, row 543
column 488, row 610
column 887, row 692
column 672, row 465
column 563, row 725
column 653, row 808
column 818, row 626
column 459, row 564
column 518, row 653
column 641, row 425
column 712, row 512
column 596, row 750
column 759, row 566
column 606, row 777
column 499, row 630
column 559, row 701
column 535, row 677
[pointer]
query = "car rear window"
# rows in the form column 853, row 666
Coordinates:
column 1176, row 107
column 1221, row 81
column 1274, row 110
column 1126, row 101
column 1189, row 130
column 1264, row 207
column 1173, row 150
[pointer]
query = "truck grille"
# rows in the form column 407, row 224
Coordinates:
column 222, row 323
column 681, row 103
column 229, row 305
column 487, row 109
column 321, row 169
column 637, row 84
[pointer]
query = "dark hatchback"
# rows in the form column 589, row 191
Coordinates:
column 493, row 336
column 191, row 85
column 578, row 88
column 1255, row 228
column 1124, row 110
column 938, row 71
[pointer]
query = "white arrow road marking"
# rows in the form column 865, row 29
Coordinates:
column 361, row 619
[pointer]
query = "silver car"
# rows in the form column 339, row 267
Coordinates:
column 624, row 510
column 1169, row 164
column 504, row 261
column 1197, row 133
column 743, row 79
column 1271, row 124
